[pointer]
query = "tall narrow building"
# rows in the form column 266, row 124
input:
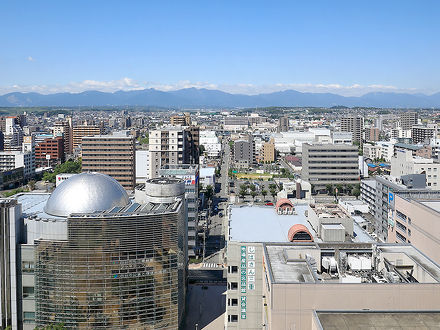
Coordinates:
column 113, row 155
column 65, row 129
column 408, row 120
column 84, row 130
column 355, row 125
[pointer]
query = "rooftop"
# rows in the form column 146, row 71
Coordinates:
column 378, row 320
column 385, row 263
column 263, row 224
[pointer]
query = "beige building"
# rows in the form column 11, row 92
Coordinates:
column 302, row 279
column 268, row 153
column 84, row 130
column 372, row 151
column 182, row 120
column 113, row 155
column 417, row 221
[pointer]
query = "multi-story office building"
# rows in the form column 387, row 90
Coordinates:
column 181, row 120
column 65, row 129
column 50, row 152
column 84, row 130
column 244, row 152
column 423, row 134
column 190, row 175
column 168, row 146
column 334, row 164
column 355, row 125
column 113, row 155
column 408, row 120
column 404, row 163
column 283, row 124
column 88, row 257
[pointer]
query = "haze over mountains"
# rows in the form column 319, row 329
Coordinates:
column 193, row 97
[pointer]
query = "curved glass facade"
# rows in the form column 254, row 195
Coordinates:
column 114, row 271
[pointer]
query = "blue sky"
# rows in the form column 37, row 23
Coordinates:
column 346, row 47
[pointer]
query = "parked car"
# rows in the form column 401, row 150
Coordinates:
column 269, row 204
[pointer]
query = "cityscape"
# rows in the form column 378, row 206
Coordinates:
column 260, row 203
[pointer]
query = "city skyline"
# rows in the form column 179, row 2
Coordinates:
column 247, row 48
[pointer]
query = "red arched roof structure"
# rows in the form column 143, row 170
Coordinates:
column 299, row 229
column 282, row 202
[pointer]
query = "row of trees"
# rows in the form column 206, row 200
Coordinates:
column 348, row 189
column 70, row 166
column 250, row 189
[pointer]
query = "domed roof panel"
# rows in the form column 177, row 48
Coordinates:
column 86, row 193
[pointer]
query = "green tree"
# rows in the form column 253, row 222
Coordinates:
column 252, row 187
column 356, row 192
column 273, row 193
column 144, row 140
column 329, row 188
column 209, row 192
column 253, row 194
column 31, row 185
column 67, row 167
column 264, row 193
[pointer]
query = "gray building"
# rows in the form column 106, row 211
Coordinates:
column 244, row 152
column 283, row 124
column 423, row 134
column 87, row 256
column 190, row 175
column 408, row 120
column 355, row 125
column 333, row 164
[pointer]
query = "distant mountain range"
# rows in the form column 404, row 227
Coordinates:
column 193, row 98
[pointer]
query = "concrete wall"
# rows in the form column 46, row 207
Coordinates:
column 292, row 305
column 424, row 230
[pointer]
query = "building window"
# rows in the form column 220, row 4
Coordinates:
column 233, row 269
column 233, row 318
column 233, row 302
column 234, row 286
column 28, row 317
column 409, row 232
column 28, row 291
column 27, row 267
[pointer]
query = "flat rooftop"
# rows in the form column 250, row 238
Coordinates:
column 378, row 320
column 300, row 263
column 263, row 224
column 435, row 205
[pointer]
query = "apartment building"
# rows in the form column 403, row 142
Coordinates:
column 283, row 124
column 65, row 129
column 423, row 134
column 372, row 151
column 113, row 155
column 372, row 134
column 84, row 130
column 355, row 125
column 408, row 120
column 267, row 152
column 324, row 164
column 244, row 152
column 10, row 160
column 168, row 146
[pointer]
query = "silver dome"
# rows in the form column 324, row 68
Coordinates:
column 86, row 193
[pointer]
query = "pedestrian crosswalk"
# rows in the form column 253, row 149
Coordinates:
column 209, row 265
